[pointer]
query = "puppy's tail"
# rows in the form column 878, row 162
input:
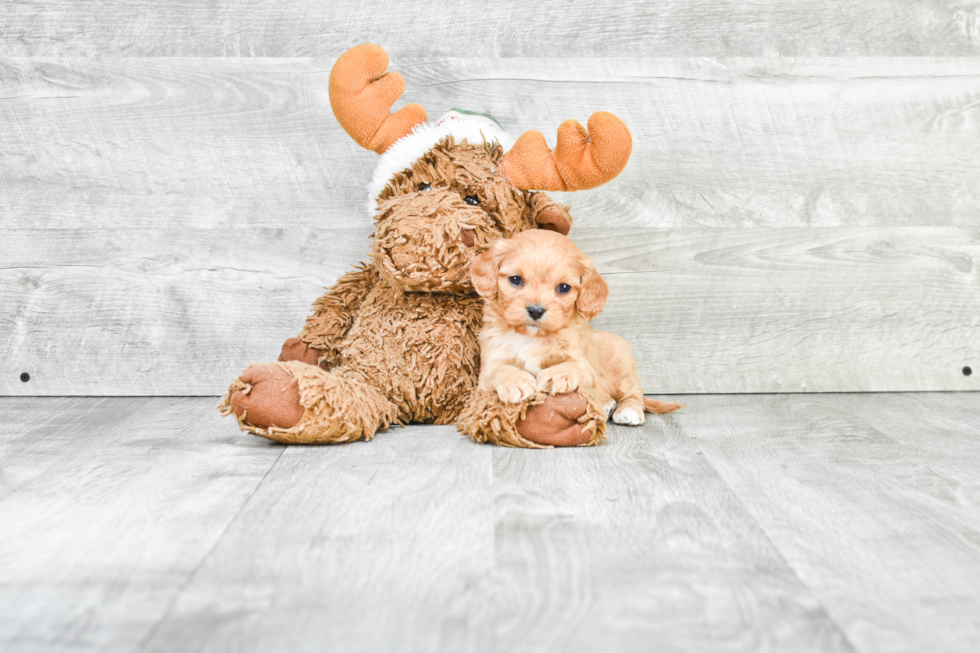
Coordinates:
column 654, row 406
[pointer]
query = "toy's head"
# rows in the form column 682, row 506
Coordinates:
column 444, row 192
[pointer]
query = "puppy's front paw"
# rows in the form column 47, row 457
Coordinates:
column 557, row 381
column 516, row 387
column 628, row 416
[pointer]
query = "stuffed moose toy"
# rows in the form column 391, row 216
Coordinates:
column 395, row 340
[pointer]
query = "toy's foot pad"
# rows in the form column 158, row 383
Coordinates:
column 270, row 397
column 555, row 422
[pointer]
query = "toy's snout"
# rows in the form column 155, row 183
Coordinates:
column 426, row 241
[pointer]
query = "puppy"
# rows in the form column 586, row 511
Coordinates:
column 540, row 292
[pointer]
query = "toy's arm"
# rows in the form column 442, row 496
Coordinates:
column 549, row 214
column 332, row 317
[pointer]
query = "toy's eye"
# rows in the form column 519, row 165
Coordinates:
column 516, row 281
column 563, row 288
column 472, row 200
column 424, row 186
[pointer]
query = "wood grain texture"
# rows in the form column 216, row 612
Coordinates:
column 108, row 507
column 940, row 428
column 639, row 546
column 741, row 523
column 166, row 311
column 883, row 529
column 511, row 28
column 26, row 445
column 186, row 142
column 794, row 310
column 378, row 546
column 169, row 220
column 157, row 311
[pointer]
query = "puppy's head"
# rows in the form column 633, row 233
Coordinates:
column 537, row 281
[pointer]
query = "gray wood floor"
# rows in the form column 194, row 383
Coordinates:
column 744, row 523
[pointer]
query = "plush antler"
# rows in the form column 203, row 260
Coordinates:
column 581, row 160
column 361, row 95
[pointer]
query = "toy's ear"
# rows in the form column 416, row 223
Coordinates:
column 553, row 220
column 548, row 214
column 594, row 293
column 485, row 270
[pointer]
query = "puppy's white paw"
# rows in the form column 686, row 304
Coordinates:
column 516, row 388
column 628, row 416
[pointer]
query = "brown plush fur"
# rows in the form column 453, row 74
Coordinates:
column 334, row 407
column 569, row 420
column 540, row 293
column 398, row 337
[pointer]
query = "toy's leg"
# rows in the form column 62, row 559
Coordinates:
column 544, row 421
column 297, row 403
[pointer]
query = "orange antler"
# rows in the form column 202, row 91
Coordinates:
column 581, row 160
column 361, row 95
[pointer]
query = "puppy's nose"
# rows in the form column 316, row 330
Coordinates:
column 535, row 311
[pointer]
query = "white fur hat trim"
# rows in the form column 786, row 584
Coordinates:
column 408, row 149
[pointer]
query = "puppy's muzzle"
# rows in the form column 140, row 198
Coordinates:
column 535, row 311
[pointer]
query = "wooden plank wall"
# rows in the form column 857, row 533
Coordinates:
column 801, row 211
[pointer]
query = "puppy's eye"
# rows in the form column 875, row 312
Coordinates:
column 516, row 281
column 424, row 186
column 472, row 200
column 563, row 288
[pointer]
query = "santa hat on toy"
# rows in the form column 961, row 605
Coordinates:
column 362, row 93
column 460, row 124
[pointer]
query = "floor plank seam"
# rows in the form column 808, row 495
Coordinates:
column 823, row 607
column 207, row 556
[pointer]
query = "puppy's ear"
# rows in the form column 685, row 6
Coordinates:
column 594, row 293
column 485, row 269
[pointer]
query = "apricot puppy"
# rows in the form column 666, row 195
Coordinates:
column 540, row 292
